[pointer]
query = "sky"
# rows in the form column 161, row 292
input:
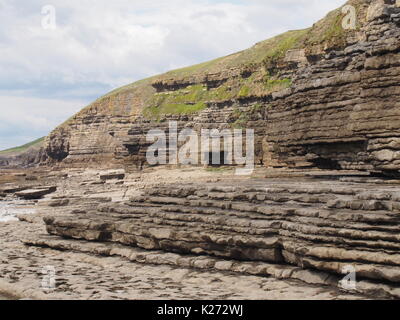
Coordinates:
column 57, row 56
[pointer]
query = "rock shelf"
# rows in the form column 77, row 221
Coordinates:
column 312, row 227
column 149, row 239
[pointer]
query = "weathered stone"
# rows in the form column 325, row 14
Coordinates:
column 333, row 106
column 35, row 193
column 112, row 175
column 307, row 232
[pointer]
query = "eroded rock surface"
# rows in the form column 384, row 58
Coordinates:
column 37, row 193
column 328, row 101
column 162, row 263
column 294, row 226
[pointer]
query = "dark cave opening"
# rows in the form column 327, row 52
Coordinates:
column 326, row 164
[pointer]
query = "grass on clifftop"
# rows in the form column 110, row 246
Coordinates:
column 195, row 98
column 24, row 147
column 261, row 64
column 156, row 112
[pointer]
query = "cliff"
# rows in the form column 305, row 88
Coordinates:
column 320, row 97
column 23, row 156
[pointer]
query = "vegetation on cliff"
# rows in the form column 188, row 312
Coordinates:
column 244, row 74
column 34, row 144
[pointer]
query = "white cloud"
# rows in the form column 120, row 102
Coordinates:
column 100, row 45
column 25, row 119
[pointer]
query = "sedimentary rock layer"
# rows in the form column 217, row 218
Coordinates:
column 322, row 97
column 316, row 225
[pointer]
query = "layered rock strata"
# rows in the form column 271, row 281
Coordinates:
column 322, row 226
column 343, row 111
column 110, row 270
column 323, row 97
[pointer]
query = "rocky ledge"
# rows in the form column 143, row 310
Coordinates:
column 291, row 226
column 323, row 97
column 140, row 238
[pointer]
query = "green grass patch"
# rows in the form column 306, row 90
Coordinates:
column 187, row 101
column 23, row 147
column 244, row 92
column 257, row 108
column 287, row 41
column 242, row 118
column 275, row 85
column 330, row 30
column 335, row 29
column 156, row 112
column 253, row 64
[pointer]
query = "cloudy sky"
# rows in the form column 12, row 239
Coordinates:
column 47, row 74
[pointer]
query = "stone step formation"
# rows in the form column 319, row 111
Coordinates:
column 311, row 230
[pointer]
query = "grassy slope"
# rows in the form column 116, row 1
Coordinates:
column 34, row 144
column 260, row 58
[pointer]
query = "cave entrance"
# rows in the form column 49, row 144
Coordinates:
column 326, row 164
column 218, row 159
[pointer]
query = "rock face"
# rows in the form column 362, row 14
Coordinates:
column 343, row 111
column 316, row 225
column 297, row 232
column 37, row 193
column 112, row 175
column 321, row 97
column 28, row 157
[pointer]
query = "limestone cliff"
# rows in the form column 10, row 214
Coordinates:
column 321, row 97
column 23, row 156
